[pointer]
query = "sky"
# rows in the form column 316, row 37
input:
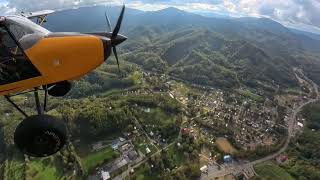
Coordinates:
column 301, row 14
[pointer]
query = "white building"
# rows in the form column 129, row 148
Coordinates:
column 204, row 169
column 148, row 150
column 105, row 175
column 300, row 124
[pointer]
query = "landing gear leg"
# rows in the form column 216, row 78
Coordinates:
column 45, row 98
column 38, row 105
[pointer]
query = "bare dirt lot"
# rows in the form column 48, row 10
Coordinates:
column 225, row 145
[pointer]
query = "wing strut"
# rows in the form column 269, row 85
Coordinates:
column 38, row 105
column 16, row 106
column 40, row 110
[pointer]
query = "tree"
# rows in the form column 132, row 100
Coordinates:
column 193, row 171
column 147, row 168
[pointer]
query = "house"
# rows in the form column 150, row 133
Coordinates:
column 148, row 150
column 204, row 169
column 227, row 159
column 115, row 145
column 105, row 175
column 122, row 163
column 125, row 147
column 282, row 159
column 133, row 155
column 185, row 131
column 128, row 135
column 97, row 146
column 147, row 110
column 300, row 124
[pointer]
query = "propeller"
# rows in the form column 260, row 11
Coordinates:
column 108, row 21
column 116, row 38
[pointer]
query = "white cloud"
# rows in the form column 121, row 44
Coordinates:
column 4, row 9
column 35, row 5
column 200, row 6
column 147, row 6
column 230, row 6
column 289, row 11
column 305, row 12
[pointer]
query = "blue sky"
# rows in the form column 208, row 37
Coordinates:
column 302, row 14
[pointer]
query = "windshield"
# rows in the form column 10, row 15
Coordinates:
column 21, row 26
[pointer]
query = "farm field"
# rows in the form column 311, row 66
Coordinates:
column 269, row 170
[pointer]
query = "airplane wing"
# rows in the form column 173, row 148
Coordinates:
column 37, row 14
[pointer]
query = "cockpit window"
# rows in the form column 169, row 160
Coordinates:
column 14, row 65
column 21, row 27
column 18, row 31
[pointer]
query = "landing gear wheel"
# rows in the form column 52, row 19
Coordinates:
column 40, row 135
column 59, row 89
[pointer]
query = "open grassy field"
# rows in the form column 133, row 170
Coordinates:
column 44, row 168
column 225, row 145
column 84, row 145
column 14, row 168
column 96, row 158
column 250, row 95
column 181, row 88
column 269, row 170
column 177, row 157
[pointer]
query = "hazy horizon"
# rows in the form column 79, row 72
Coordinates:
column 294, row 14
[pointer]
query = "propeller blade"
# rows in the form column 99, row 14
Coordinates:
column 116, row 55
column 117, row 27
column 108, row 21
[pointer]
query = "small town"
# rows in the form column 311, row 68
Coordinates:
column 224, row 121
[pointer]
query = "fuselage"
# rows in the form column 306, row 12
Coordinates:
column 52, row 57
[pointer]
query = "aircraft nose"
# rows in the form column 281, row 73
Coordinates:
column 118, row 40
column 109, row 44
column 107, row 47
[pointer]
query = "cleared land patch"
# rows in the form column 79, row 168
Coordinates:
column 225, row 145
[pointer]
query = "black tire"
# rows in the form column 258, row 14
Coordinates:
column 59, row 89
column 40, row 135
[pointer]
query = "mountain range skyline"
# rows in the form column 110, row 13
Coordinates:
column 166, row 39
column 302, row 15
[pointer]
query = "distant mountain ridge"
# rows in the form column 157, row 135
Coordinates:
column 88, row 19
column 310, row 34
column 216, row 51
